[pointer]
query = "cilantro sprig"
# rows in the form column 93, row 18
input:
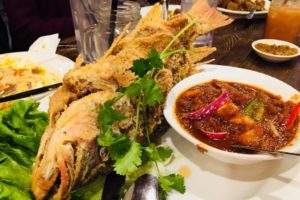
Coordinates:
column 172, row 182
column 129, row 156
column 151, row 91
column 142, row 66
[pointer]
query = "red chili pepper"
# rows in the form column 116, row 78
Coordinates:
column 293, row 115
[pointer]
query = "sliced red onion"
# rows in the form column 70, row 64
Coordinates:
column 215, row 135
column 210, row 108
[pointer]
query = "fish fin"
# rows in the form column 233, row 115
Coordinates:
column 209, row 16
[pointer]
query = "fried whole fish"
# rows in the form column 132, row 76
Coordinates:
column 68, row 155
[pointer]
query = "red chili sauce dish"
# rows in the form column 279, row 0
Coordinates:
column 221, row 114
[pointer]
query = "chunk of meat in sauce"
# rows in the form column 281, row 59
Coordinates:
column 236, row 95
column 251, row 137
column 228, row 110
column 242, row 119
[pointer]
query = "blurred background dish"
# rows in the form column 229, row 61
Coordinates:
column 145, row 9
column 243, row 5
column 276, row 50
column 237, row 12
column 24, row 71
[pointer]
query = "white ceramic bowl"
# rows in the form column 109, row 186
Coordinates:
column 236, row 75
column 272, row 57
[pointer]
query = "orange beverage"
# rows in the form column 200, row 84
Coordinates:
column 283, row 23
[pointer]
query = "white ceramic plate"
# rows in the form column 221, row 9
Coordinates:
column 51, row 62
column 236, row 12
column 228, row 74
column 272, row 57
column 145, row 9
column 210, row 179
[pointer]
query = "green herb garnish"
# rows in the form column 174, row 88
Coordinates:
column 142, row 66
column 131, row 158
column 129, row 155
column 172, row 181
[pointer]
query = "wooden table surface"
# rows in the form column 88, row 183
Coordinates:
column 233, row 44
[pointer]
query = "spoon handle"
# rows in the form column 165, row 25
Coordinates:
column 251, row 13
column 274, row 153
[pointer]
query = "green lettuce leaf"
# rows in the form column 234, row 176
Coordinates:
column 9, row 192
column 22, row 124
column 18, row 154
column 21, row 128
column 91, row 191
column 13, row 173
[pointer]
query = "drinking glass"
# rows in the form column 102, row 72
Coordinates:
column 97, row 23
column 283, row 21
column 206, row 39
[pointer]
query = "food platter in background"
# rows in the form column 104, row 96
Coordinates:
column 234, row 13
column 146, row 9
column 36, row 69
column 237, row 13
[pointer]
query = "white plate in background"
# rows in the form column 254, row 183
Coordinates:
column 236, row 12
column 55, row 63
column 146, row 9
column 52, row 62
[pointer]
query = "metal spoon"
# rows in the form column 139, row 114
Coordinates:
column 145, row 187
column 251, row 13
column 274, row 153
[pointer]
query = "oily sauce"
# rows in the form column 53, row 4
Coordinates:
column 260, row 125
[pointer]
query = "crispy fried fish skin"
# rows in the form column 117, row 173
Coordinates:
column 68, row 153
column 112, row 70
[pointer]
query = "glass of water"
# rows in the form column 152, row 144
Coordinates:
column 97, row 24
column 206, row 39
